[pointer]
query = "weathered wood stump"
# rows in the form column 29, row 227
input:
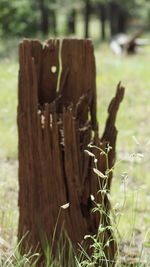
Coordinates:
column 56, row 122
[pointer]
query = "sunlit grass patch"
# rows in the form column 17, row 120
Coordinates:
column 8, row 200
column 8, row 104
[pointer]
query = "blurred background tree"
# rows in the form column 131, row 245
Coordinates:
column 29, row 18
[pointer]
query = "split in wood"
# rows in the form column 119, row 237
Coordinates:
column 53, row 167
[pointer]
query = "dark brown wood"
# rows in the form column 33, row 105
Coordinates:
column 55, row 127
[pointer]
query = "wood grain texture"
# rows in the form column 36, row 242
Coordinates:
column 54, row 129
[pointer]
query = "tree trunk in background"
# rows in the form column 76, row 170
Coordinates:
column 72, row 22
column 53, row 17
column 53, row 22
column 44, row 17
column 118, row 16
column 113, row 18
column 102, row 19
column 122, row 20
column 87, row 18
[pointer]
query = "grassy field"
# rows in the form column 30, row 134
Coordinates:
column 131, row 184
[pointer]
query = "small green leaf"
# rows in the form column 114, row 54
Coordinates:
column 65, row 206
column 140, row 155
column 89, row 153
column 100, row 174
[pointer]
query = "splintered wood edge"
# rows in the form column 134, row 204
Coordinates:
column 112, row 113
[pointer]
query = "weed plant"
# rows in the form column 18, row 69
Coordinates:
column 80, row 258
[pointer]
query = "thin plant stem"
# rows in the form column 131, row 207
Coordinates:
column 55, row 228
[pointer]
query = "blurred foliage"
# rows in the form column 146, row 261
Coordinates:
column 30, row 17
column 17, row 18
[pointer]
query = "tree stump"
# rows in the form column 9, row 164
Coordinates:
column 56, row 122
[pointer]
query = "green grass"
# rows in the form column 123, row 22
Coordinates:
column 8, row 147
column 8, row 103
column 132, row 120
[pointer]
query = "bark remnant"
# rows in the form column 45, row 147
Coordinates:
column 55, row 127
